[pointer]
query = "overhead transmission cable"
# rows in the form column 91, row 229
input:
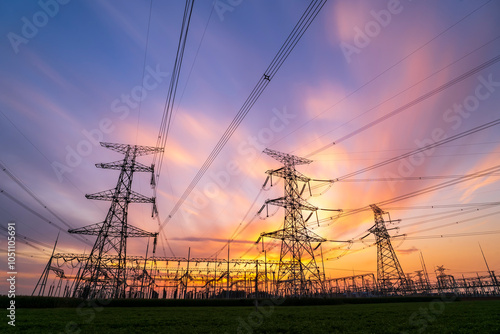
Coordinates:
column 43, row 155
column 27, row 239
column 300, row 28
column 35, row 213
column 381, row 73
column 144, row 69
column 172, row 89
column 169, row 105
column 410, row 104
column 408, row 178
column 453, row 235
column 24, row 187
column 468, row 177
column 422, row 149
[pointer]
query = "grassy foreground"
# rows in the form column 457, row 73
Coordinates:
column 415, row 317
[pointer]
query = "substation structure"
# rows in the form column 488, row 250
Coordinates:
column 109, row 272
column 200, row 278
column 170, row 277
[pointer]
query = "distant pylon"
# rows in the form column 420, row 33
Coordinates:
column 42, row 281
column 298, row 271
column 390, row 275
column 104, row 275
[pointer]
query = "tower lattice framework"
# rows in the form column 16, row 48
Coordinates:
column 104, row 273
column 390, row 275
column 298, row 273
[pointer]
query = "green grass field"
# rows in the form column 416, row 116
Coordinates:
column 413, row 317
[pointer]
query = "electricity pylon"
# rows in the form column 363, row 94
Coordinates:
column 390, row 275
column 104, row 273
column 298, row 271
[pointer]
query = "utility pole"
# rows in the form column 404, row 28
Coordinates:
column 187, row 273
column 256, row 278
column 427, row 280
column 227, row 288
column 100, row 278
column 494, row 280
column 265, row 270
column 42, row 281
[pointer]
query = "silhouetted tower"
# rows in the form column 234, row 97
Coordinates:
column 104, row 275
column 422, row 283
column 444, row 281
column 298, row 271
column 390, row 275
column 42, row 281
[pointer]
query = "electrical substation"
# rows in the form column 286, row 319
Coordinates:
column 292, row 260
column 108, row 272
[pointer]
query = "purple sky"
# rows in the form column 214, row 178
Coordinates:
column 72, row 73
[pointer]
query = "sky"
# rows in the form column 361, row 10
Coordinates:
column 377, row 78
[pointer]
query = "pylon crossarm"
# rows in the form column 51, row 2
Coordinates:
column 134, row 232
column 138, row 198
column 297, row 203
column 376, row 209
column 279, row 234
column 284, row 173
column 304, row 235
column 287, row 159
column 127, row 165
column 139, row 150
column 106, row 195
column 93, row 229
column 110, row 195
column 310, row 236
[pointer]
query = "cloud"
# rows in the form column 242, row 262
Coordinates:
column 205, row 239
column 407, row 251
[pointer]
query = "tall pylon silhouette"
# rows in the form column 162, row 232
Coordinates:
column 104, row 274
column 390, row 275
column 298, row 272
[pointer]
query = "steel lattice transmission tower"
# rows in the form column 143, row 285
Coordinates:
column 390, row 275
column 298, row 272
column 104, row 273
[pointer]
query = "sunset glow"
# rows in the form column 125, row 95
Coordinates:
column 377, row 78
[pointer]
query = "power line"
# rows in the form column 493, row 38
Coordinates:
column 300, row 28
column 454, row 223
column 409, row 178
column 32, row 195
column 424, row 148
column 443, row 206
column 466, row 178
column 380, row 74
column 407, row 149
column 144, row 69
column 48, row 221
column 172, row 90
column 411, row 103
column 433, row 156
column 27, row 239
column 455, row 235
column 39, row 151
